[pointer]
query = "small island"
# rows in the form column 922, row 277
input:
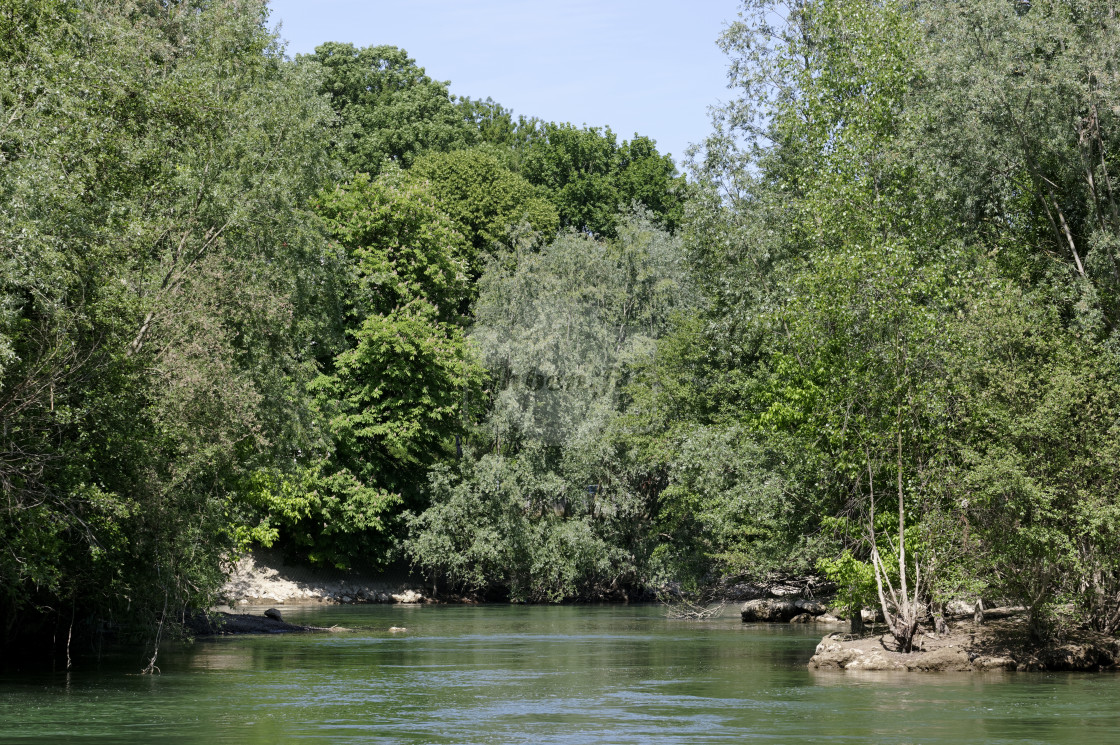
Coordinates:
column 969, row 647
column 966, row 637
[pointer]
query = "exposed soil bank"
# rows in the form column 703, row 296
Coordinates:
column 262, row 577
column 997, row 645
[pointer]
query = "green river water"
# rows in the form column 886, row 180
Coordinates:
column 515, row 674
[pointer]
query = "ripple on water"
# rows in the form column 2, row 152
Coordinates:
column 543, row 675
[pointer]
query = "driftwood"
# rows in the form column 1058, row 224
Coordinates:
column 809, row 587
column 688, row 611
column 711, row 602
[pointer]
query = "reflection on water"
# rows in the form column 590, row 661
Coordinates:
column 511, row 674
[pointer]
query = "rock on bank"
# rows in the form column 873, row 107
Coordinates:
column 968, row 648
column 783, row 610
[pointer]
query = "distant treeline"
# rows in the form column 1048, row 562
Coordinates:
column 324, row 305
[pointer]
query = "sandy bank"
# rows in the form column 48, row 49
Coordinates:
column 262, row 577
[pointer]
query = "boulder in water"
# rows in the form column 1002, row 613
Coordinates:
column 767, row 609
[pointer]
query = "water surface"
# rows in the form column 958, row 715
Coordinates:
column 515, row 674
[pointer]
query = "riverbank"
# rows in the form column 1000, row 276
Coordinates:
column 1001, row 644
column 262, row 577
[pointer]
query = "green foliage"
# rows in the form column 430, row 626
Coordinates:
column 892, row 240
column 878, row 337
column 474, row 534
column 484, row 198
column 502, row 528
column 395, row 393
column 399, row 246
column 398, row 392
column 726, row 509
column 825, row 308
column 1019, row 109
column 159, row 292
column 388, row 108
column 855, row 579
column 592, row 179
column 558, row 329
column 496, row 126
column 857, row 364
column 561, row 326
column 1037, row 433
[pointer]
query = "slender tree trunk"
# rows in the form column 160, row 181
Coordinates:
column 900, row 605
column 901, row 524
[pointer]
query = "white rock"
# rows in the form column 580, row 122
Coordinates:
column 960, row 608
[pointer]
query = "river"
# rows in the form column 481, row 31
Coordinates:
column 516, row 674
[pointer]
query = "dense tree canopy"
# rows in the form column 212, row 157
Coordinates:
column 592, row 179
column 396, row 392
column 159, row 294
column 909, row 175
column 541, row 507
column 321, row 304
column 485, row 199
column 388, row 108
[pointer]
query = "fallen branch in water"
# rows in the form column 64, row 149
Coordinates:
column 681, row 608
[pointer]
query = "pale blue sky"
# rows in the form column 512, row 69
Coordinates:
column 646, row 66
